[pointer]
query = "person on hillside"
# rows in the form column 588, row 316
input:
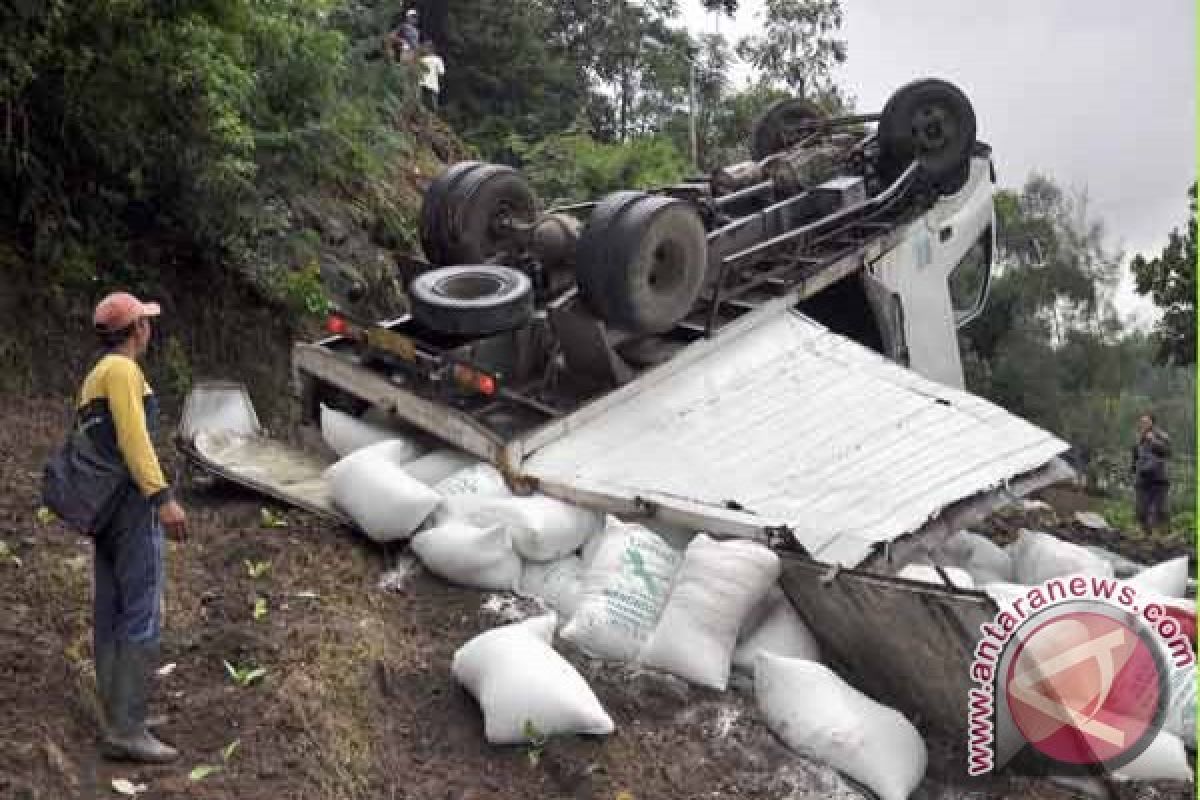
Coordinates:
column 432, row 70
column 410, row 31
column 1151, row 483
column 120, row 409
column 401, row 43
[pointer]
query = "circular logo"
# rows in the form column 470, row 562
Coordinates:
column 1087, row 687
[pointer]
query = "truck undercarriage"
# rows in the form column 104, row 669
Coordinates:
column 521, row 317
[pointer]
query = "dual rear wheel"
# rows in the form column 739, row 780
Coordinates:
column 639, row 263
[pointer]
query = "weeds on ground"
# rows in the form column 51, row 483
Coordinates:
column 202, row 771
column 535, row 743
column 256, row 569
column 244, row 676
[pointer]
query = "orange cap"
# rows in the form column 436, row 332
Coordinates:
column 119, row 310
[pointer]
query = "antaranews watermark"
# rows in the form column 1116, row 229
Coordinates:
column 1079, row 669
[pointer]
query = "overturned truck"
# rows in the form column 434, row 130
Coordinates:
column 769, row 351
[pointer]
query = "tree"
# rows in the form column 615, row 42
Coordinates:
column 509, row 70
column 797, row 47
column 1055, row 268
column 1050, row 297
column 1170, row 280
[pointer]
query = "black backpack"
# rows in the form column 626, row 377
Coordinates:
column 82, row 482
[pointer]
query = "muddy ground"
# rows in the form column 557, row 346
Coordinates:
column 357, row 700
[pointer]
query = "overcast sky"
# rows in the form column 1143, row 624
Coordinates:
column 1100, row 94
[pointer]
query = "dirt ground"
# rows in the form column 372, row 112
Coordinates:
column 1060, row 521
column 357, row 700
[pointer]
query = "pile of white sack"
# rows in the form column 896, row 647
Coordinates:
column 689, row 605
column 1008, row 573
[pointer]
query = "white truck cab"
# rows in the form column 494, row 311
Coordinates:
column 931, row 277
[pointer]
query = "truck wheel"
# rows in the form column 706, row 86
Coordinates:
column 642, row 261
column 432, row 208
column 779, row 126
column 472, row 301
column 468, row 210
column 931, row 121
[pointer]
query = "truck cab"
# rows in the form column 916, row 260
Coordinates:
column 925, row 281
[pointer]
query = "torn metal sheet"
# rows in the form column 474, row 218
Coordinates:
column 905, row 643
column 789, row 424
column 219, row 431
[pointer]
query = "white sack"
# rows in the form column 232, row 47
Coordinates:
column 624, row 590
column 479, row 479
column 1164, row 760
column 517, row 678
column 434, row 467
column 775, row 628
column 542, row 528
column 1005, row 594
column 926, row 573
column 1038, row 557
column 1168, row 578
column 399, row 452
column 381, row 497
column 1181, row 708
column 558, row 584
column 469, row 556
column 983, row 559
column 591, row 546
column 819, row 715
column 345, row 434
column 719, row 584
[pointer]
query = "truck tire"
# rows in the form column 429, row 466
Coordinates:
column 433, row 209
column 778, row 127
column 642, row 261
column 465, row 209
column 472, row 301
column 932, row 122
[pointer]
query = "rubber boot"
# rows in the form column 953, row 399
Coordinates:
column 106, row 659
column 128, row 739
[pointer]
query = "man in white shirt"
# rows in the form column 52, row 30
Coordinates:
column 432, row 69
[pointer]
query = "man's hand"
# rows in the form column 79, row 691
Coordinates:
column 173, row 519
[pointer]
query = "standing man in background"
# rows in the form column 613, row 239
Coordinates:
column 1151, row 484
column 120, row 412
column 432, row 70
column 410, row 31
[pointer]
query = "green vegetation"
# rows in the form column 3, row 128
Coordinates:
column 1170, row 279
column 1050, row 347
column 195, row 124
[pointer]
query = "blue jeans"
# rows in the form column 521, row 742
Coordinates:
column 129, row 575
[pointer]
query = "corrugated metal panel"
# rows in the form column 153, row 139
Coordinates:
column 804, row 428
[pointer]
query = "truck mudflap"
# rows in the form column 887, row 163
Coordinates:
column 219, row 433
column 905, row 643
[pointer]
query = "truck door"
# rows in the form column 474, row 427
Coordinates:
column 939, row 271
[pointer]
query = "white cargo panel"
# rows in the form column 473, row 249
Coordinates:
column 801, row 428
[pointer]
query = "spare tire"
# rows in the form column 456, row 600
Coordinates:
column 930, row 121
column 473, row 300
column 464, row 211
column 781, row 126
column 641, row 261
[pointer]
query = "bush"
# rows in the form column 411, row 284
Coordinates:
column 574, row 166
column 184, row 121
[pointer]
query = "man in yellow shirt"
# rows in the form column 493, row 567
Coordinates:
column 123, row 411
